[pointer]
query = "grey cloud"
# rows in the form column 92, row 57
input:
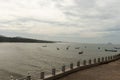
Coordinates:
column 85, row 3
column 20, row 21
column 114, row 29
column 94, row 16
column 88, row 9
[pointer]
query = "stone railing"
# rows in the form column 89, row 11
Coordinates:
column 85, row 64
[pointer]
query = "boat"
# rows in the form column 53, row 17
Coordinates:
column 110, row 50
column 116, row 47
column 80, row 52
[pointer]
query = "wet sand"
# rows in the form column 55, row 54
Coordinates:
column 110, row 71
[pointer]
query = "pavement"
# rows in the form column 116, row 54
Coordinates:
column 110, row 71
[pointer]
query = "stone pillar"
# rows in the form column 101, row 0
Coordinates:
column 78, row 63
column 63, row 68
column 11, row 77
column 114, row 56
column 42, row 75
column 105, row 58
column 71, row 66
column 111, row 57
column 95, row 61
column 108, row 58
column 102, row 59
column 84, row 63
column 53, row 71
column 90, row 62
column 28, row 77
column 98, row 60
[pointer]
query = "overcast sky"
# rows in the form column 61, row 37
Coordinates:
column 63, row 20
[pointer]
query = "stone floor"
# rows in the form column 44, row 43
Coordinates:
column 110, row 71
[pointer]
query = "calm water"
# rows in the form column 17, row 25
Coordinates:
column 19, row 58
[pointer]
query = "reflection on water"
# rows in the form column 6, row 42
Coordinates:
column 19, row 58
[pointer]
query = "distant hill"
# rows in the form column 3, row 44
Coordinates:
column 20, row 39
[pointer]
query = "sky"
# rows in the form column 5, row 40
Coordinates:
column 84, row 21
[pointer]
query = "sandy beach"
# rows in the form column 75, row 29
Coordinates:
column 110, row 71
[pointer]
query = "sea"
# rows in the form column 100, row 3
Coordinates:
column 19, row 59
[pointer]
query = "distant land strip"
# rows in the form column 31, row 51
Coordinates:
column 21, row 39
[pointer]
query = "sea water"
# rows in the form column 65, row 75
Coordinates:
column 18, row 59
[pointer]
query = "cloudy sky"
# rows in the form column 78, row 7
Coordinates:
column 91, row 21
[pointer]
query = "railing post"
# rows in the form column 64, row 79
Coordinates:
column 78, row 63
column 105, row 58
column 114, row 56
column 28, row 77
column 71, row 66
column 63, row 68
column 90, row 62
column 98, row 60
column 42, row 75
column 111, row 57
column 11, row 77
column 53, row 71
column 84, row 62
column 108, row 58
column 95, row 61
column 102, row 59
